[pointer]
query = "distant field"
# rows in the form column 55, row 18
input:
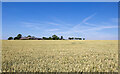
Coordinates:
column 60, row 55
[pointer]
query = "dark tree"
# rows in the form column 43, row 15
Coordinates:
column 19, row 36
column 50, row 38
column 58, row 38
column 16, row 38
column 29, row 36
column 76, row 38
column 61, row 38
column 80, row 38
column 83, row 38
column 47, row 39
column 44, row 38
column 10, row 38
column 70, row 38
column 55, row 37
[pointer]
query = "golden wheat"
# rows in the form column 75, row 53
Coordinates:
column 60, row 56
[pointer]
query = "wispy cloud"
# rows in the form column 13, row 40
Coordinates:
column 82, row 24
column 93, row 25
column 53, row 23
column 53, row 29
column 84, row 28
column 40, row 26
column 32, row 25
column 88, row 18
column 101, row 28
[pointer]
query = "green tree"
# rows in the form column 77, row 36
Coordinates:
column 55, row 37
column 80, row 38
column 44, row 38
column 29, row 36
column 83, row 38
column 50, row 38
column 16, row 38
column 10, row 38
column 76, row 38
column 61, row 38
column 72, row 38
column 69, row 38
column 19, row 36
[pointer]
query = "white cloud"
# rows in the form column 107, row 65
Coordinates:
column 88, row 18
column 101, row 28
column 84, row 22
column 53, row 29
column 35, row 26
column 90, row 24
column 53, row 23
column 89, row 29
column 39, row 26
column 84, row 28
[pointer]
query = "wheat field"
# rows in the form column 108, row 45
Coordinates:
column 60, row 56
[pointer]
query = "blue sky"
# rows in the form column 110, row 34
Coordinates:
column 92, row 20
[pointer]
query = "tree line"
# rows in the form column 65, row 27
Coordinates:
column 54, row 37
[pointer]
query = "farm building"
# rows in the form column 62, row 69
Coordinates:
column 30, row 38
